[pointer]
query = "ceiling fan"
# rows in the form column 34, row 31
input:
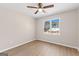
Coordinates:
column 40, row 7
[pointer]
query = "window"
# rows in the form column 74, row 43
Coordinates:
column 52, row 26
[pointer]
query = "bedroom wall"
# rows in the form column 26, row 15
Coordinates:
column 68, row 35
column 78, row 30
column 15, row 29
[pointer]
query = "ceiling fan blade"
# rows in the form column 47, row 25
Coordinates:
column 36, row 12
column 31, row 7
column 49, row 6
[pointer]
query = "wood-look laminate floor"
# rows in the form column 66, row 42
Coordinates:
column 41, row 48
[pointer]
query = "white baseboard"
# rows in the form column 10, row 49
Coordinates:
column 59, row 44
column 15, row 46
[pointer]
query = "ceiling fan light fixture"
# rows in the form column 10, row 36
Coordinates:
column 40, row 9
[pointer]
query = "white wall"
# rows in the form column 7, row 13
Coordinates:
column 15, row 29
column 68, row 35
column 78, row 29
